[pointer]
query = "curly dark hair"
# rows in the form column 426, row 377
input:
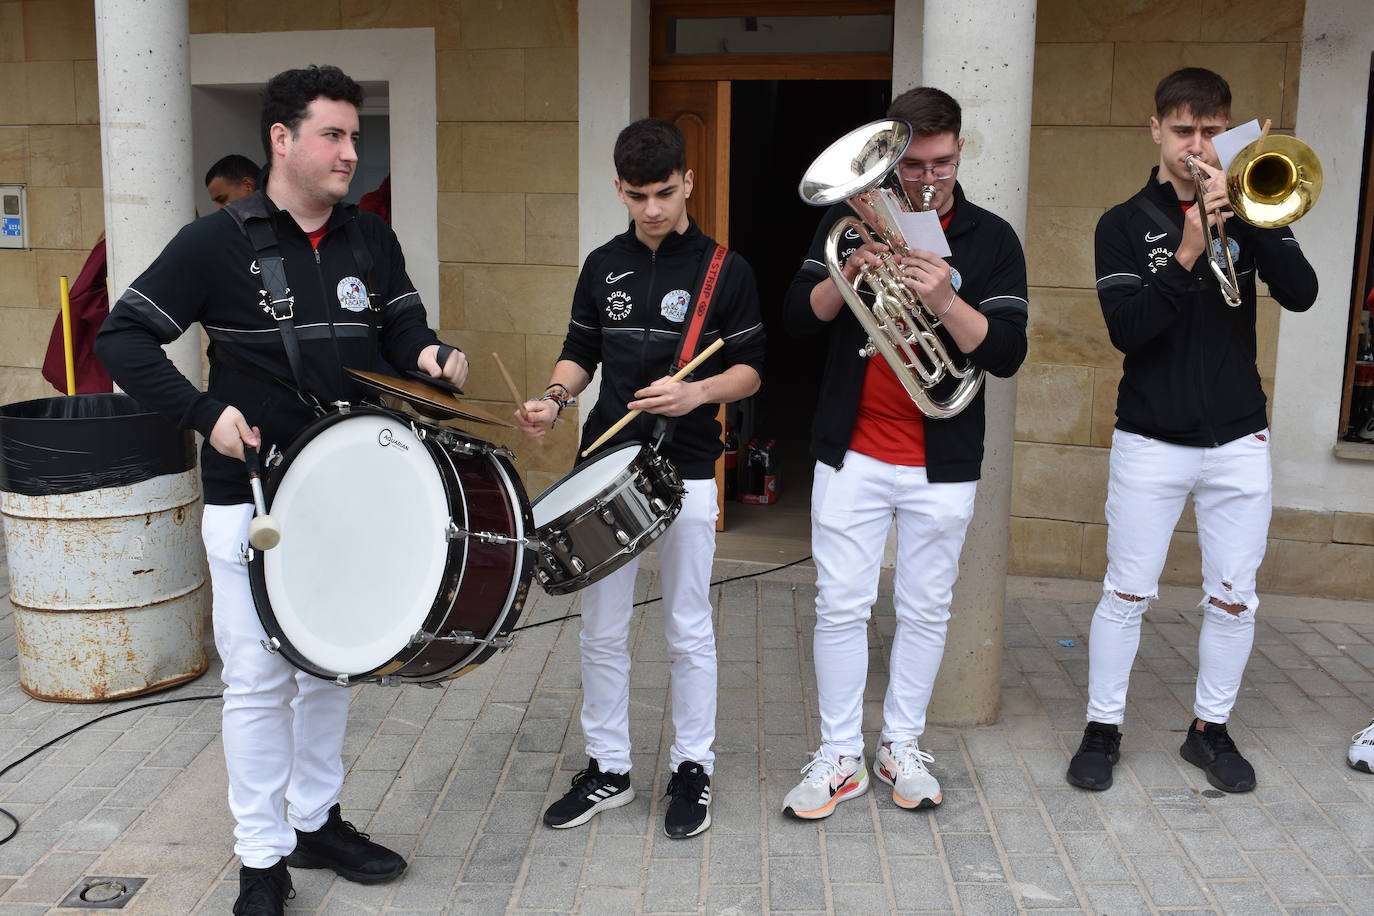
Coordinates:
column 1193, row 89
column 288, row 94
column 928, row 110
column 648, row 151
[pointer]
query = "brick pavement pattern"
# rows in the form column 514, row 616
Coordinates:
column 456, row 778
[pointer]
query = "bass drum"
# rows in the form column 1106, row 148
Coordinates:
column 404, row 550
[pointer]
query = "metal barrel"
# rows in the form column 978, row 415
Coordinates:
column 107, row 572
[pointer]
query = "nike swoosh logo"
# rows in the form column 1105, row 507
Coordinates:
column 616, row 278
column 1154, row 238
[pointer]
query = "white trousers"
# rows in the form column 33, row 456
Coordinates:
column 851, row 512
column 283, row 729
column 1149, row 482
column 685, row 552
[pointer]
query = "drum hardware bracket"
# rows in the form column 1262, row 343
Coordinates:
column 271, row 644
column 487, row 537
column 462, row 638
column 341, row 406
column 274, row 457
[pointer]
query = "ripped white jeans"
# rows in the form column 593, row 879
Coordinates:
column 1149, row 482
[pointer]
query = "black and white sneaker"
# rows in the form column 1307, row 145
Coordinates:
column 592, row 792
column 689, row 812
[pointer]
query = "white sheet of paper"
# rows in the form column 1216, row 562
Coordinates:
column 922, row 230
column 1230, row 142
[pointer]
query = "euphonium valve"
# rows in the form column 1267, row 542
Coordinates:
column 860, row 168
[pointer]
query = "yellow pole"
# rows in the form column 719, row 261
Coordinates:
column 67, row 333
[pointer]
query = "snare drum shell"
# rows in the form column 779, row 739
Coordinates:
column 592, row 540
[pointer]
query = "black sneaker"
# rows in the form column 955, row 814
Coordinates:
column 1100, row 749
column 689, row 812
column 1213, row 751
column 264, row 891
column 592, row 792
column 342, row 848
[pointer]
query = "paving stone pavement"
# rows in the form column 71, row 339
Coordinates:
column 456, row 778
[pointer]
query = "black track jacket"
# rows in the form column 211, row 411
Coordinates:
column 1189, row 368
column 992, row 277
column 208, row 273
column 628, row 315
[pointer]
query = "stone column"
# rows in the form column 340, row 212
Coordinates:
column 143, row 63
column 982, row 52
column 612, row 91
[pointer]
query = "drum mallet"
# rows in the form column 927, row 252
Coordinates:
column 679, row 376
column 263, row 531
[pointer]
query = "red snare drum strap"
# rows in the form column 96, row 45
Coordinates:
column 690, row 342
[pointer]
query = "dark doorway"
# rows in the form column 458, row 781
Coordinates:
column 777, row 127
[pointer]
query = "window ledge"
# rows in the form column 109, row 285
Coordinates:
column 1357, row 451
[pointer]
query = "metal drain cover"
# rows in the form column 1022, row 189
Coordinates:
column 101, row 892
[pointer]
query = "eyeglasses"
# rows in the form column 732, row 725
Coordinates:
column 941, row 171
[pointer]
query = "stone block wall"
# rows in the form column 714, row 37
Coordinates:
column 50, row 142
column 1097, row 64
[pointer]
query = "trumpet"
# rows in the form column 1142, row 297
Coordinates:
column 1270, row 183
column 860, row 168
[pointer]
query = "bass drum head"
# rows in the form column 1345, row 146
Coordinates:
column 363, row 514
column 577, row 489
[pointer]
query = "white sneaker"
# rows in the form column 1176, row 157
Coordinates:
column 903, row 767
column 1361, row 753
column 826, row 782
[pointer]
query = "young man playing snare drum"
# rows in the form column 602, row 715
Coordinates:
column 283, row 728
column 632, row 307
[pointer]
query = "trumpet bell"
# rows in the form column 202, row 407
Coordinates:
column 1276, row 185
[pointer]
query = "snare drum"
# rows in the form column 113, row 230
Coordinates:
column 603, row 514
column 404, row 549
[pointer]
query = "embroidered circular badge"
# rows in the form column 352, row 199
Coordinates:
column 674, row 305
column 352, row 294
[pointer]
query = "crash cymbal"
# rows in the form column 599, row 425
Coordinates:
column 426, row 398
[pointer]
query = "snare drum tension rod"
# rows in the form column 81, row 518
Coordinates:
column 489, row 537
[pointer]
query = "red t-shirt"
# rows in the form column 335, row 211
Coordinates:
column 318, row 234
column 889, row 426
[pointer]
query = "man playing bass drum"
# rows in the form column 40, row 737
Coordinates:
column 877, row 456
column 283, row 728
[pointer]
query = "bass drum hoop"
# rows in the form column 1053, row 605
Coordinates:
column 450, row 580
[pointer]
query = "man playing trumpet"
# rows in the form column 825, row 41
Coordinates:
column 879, row 457
column 1190, row 420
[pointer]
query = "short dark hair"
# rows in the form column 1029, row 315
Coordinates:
column 928, row 110
column 648, row 151
column 233, row 169
column 1194, row 89
column 289, row 93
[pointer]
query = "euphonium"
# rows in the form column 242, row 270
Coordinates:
column 1270, row 183
column 860, row 168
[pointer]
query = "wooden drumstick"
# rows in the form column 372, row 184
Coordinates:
column 514, row 392
column 679, row 376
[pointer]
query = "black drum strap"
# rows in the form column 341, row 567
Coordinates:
column 277, row 300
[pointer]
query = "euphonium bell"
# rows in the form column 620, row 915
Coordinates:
column 860, row 168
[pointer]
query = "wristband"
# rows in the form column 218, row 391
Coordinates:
column 560, row 403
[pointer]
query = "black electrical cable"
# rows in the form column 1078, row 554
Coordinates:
column 752, row 575
column 67, row 734
column 219, row 696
